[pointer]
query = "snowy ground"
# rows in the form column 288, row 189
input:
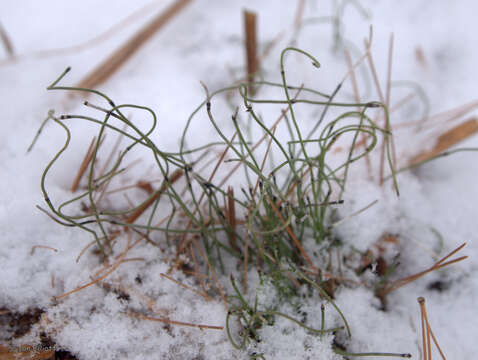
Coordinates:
column 205, row 43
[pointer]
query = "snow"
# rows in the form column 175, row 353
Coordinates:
column 204, row 43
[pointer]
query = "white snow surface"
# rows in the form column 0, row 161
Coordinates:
column 204, row 42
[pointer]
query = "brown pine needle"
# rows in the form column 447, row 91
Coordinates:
column 271, row 45
column 387, row 97
column 214, row 275
column 389, row 72
column 183, row 242
column 362, row 58
column 401, row 103
column 452, row 114
column 257, row 144
column 420, row 57
column 231, row 218
column 249, row 210
column 246, row 260
column 272, row 129
column 42, row 247
column 138, row 212
column 451, row 253
column 130, row 246
column 174, row 322
column 353, row 79
column 188, row 272
column 133, row 186
column 427, row 333
column 299, row 14
column 120, row 56
column 291, row 234
column 439, row 119
column 107, row 163
column 7, row 44
column 450, row 262
column 133, row 259
column 84, row 249
column 145, row 186
column 374, row 71
column 196, row 268
column 438, row 265
column 287, row 273
column 436, row 342
column 421, row 301
column 112, row 268
column 102, row 277
column 204, row 295
column 382, row 100
column 83, row 165
column 448, row 139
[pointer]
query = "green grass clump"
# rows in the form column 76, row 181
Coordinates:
column 289, row 195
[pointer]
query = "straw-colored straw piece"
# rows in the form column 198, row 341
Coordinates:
column 448, row 139
column 119, row 57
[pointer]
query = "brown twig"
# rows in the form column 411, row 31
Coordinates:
column 119, row 57
column 250, row 29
